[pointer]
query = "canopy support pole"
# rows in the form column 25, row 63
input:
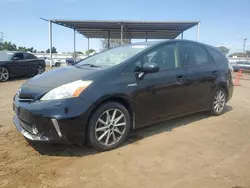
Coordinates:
column 50, row 43
column 74, row 45
column 198, row 32
column 108, row 39
column 146, row 36
column 88, row 43
column 182, row 35
column 121, row 34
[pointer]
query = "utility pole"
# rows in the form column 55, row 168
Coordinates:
column 1, row 37
column 244, row 44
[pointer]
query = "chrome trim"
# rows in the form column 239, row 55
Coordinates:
column 25, row 100
column 56, row 125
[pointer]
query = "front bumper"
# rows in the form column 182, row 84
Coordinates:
column 53, row 121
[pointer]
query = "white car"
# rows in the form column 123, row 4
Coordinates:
column 55, row 62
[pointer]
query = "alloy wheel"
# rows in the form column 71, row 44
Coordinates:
column 4, row 74
column 219, row 101
column 40, row 69
column 110, row 127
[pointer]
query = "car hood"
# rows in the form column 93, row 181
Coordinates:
column 43, row 83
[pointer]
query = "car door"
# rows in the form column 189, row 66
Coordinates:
column 162, row 94
column 23, row 64
column 201, row 74
column 12, row 64
column 32, row 61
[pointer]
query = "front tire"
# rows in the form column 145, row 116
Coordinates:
column 218, row 102
column 109, row 126
column 4, row 74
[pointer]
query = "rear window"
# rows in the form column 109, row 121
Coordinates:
column 219, row 58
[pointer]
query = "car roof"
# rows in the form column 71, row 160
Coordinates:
column 173, row 40
column 8, row 51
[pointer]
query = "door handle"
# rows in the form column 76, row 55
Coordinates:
column 215, row 73
column 179, row 78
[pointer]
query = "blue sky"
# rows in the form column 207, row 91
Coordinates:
column 223, row 22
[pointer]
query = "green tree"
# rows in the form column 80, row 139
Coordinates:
column 238, row 54
column 224, row 49
column 248, row 53
column 8, row 46
column 90, row 51
column 13, row 47
column 53, row 50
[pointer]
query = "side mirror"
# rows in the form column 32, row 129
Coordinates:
column 16, row 58
column 150, row 68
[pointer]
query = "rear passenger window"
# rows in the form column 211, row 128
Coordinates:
column 191, row 55
column 218, row 57
column 29, row 56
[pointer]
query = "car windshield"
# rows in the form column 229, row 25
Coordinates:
column 5, row 56
column 113, row 56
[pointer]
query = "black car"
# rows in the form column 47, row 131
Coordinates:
column 106, row 95
column 19, row 63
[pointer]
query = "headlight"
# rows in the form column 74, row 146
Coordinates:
column 69, row 90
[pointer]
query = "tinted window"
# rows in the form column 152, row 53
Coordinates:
column 29, row 56
column 218, row 57
column 19, row 55
column 191, row 55
column 165, row 57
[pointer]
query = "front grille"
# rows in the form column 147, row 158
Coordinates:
column 26, row 126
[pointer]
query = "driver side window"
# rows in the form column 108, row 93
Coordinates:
column 166, row 57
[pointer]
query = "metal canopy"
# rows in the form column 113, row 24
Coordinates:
column 131, row 29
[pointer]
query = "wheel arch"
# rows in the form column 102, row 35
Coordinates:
column 223, row 86
column 117, row 98
column 5, row 66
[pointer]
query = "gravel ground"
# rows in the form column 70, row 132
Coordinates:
column 195, row 151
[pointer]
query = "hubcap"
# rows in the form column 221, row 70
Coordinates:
column 219, row 101
column 110, row 127
column 4, row 74
column 39, row 70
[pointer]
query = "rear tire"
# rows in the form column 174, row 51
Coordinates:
column 218, row 103
column 40, row 69
column 57, row 64
column 109, row 126
column 4, row 74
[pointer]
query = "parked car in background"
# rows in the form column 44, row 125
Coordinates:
column 244, row 65
column 71, row 61
column 55, row 62
column 104, row 96
column 19, row 63
column 236, row 68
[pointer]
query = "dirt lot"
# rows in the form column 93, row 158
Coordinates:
column 192, row 152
